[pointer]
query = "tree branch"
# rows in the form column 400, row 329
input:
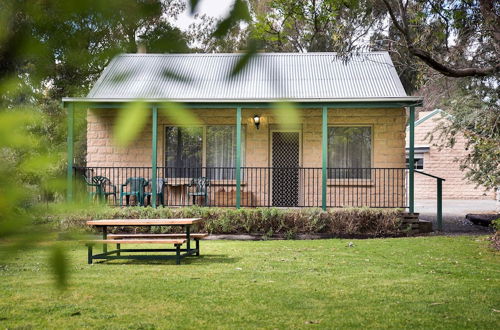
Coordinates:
column 449, row 71
column 426, row 56
column 394, row 19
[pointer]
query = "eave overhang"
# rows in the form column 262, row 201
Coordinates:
column 382, row 102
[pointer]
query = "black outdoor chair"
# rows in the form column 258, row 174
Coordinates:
column 133, row 187
column 160, row 188
column 101, row 188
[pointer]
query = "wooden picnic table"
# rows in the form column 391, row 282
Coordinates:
column 145, row 222
column 176, row 239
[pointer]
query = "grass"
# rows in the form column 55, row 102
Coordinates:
column 423, row 282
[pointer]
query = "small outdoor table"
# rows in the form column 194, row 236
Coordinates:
column 116, row 254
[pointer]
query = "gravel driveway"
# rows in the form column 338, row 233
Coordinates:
column 454, row 212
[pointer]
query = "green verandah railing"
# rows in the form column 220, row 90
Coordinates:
column 73, row 104
column 259, row 186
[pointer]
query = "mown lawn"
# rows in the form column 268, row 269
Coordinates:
column 431, row 282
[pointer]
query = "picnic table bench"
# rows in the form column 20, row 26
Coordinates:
column 164, row 239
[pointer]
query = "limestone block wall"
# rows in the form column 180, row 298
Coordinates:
column 443, row 163
column 388, row 151
column 101, row 151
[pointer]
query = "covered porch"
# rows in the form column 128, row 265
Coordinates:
column 250, row 180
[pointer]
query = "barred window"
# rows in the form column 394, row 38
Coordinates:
column 184, row 147
column 188, row 149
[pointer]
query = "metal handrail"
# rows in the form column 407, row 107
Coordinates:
column 439, row 198
column 430, row 175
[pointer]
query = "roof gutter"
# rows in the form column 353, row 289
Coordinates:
column 398, row 101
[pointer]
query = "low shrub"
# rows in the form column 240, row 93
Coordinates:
column 266, row 222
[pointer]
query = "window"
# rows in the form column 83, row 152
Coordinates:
column 221, row 146
column 189, row 149
column 184, row 146
column 418, row 161
column 349, row 152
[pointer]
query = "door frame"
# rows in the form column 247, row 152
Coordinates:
column 298, row 129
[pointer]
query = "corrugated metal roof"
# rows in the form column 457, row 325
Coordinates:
column 268, row 76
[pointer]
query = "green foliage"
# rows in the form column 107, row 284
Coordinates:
column 164, row 38
column 59, row 265
column 179, row 115
column 50, row 49
column 456, row 38
column 26, row 172
column 363, row 222
column 130, row 122
column 225, row 35
column 239, row 13
column 495, row 239
column 287, row 114
column 312, row 26
column 496, row 224
column 475, row 115
column 245, row 59
column 54, row 50
column 193, row 4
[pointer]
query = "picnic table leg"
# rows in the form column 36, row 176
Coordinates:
column 197, row 247
column 104, row 236
column 89, row 254
column 118, row 248
column 178, row 254
column 188, row 237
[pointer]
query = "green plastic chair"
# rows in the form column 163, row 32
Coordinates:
column 136, row 189
column 160, row 185
column 103, row 188
column 201, row 186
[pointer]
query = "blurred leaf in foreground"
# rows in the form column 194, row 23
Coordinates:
column 59, row 266
column 130, row 122
column 286, row 114
column 239, row 13
column 179, row 115
column 193, row 4
column 244, row 59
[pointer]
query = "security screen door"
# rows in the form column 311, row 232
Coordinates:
column 285, row 173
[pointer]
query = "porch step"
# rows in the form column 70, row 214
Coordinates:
column 410, row 217
column 414, row 224
column 424, row 226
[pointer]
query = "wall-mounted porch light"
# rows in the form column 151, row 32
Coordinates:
column 256, row 121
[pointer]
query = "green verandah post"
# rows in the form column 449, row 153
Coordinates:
column 154, row 154
column 238, row 157
column 439, row 214
column 70, row 152
column 411, row 161
column 324, row 155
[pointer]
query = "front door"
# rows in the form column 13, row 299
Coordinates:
column 285, row 168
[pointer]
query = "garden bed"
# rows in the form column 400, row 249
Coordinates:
column 260, row 222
